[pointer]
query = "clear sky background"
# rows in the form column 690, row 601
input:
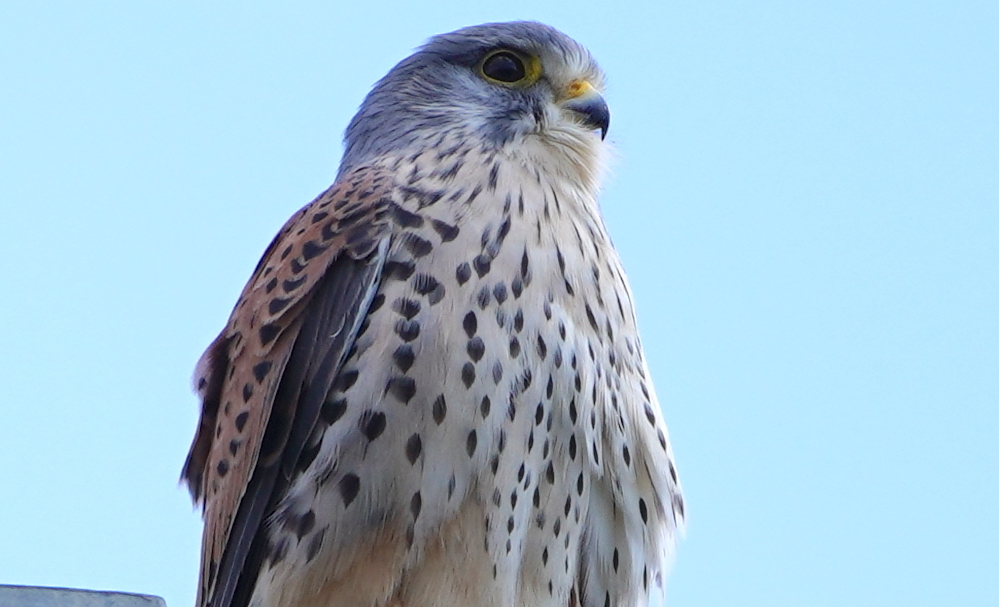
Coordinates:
column 806, row 198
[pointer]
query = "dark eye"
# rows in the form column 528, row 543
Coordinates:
column 505, row 67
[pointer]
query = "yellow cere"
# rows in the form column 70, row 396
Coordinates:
column 578, row 88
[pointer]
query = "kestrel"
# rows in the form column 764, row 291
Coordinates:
column 432, row 392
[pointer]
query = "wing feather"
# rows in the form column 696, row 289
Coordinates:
column 263, row 380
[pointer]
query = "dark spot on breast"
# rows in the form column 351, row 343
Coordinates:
column 425, row 284
column 372, row 424
column 470, row 324
column 270, row 285
column 417, row 246
column 473, row 195
column 306, row 523
column 504, row 228
column 403, row 388
column 406, row 307
column 468, row 374
column 278, row 551
column 476, row 348
column 499, row 292
column 482, row 264
column 471, row 442
column 405, row 218
column 223, row 467
column 407, row 330
column 439, row 409
column 484, row 297
column 414, row 446
column 404, row 357
column 241, row 420
column 643, row 510
column 484, row 406
column 247, row 391
column 315, row 544
column 398, row 270
column 514, row 347
column 517, row 286
column 446, row 231
column 493, row 176
column 349, row 485
column 591, row 319
column 332, row 410
column 463, row 272
column 346, row 380
column 416, row 504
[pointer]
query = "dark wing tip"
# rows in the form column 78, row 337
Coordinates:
column 208, row 379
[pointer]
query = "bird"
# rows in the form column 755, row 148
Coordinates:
column 432, row 390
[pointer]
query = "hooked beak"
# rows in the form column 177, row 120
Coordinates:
column 589, row 105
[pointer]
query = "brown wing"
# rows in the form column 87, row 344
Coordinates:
column 263, row 380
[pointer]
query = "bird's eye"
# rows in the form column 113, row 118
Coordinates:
column 504, row 66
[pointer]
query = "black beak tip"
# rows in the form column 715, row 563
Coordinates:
column 594, row 113
column 598, row 116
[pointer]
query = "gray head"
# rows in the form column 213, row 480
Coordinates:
column 496, row 85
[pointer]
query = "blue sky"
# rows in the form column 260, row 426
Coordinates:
column 805, row 195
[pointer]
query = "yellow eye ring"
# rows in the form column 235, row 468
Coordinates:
column 509, row 68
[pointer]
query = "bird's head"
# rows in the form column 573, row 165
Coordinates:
column 521, row 88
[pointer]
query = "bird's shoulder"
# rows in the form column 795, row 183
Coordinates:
column 239, row 374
